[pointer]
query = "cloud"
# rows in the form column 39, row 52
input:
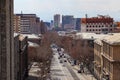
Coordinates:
column 46, row 8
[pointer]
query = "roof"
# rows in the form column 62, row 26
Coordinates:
column 113, row 39
column 33, row 44
column 32, row 36
column 21, row 37
column 16, row 34
column 99, row 40
column 86, row 36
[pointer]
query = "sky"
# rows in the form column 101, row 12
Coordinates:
column 45, row 9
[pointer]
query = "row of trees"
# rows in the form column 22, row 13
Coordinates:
column 43, row 53
column 78, row 49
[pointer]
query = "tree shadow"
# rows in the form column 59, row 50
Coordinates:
column 32, row 78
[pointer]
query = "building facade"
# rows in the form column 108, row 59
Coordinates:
column 16, row 55
column 100, row 24
column 78, row 24
column 26, row 23
column 67, row 22
column 20, row 57
column 111, row 58
column 17, row 24
column 56, row 20
column 23, row 58
column 98, row 58
column 107, row 58
column 47, row 24
column 6, row 40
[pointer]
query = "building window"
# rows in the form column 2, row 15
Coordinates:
column 110, row 25
column 110, row 29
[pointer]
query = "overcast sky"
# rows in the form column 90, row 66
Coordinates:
column 45, row 9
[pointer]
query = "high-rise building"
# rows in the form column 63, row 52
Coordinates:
column 6, row 40
column 17, row 24
column 78, row 24
column 56, row 20
column 51, row 24
column 68, row 22
column 47, row 24
column 43, row 27
column 26, row 24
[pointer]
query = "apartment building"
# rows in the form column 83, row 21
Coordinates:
column 117, row 27
column 100, row 24
column 20, row 57
column 68, row 22
column 111, row 57
column 26, row 24
column 56, row 20
column 98, row 57
column 17, row 24
column 107, row 57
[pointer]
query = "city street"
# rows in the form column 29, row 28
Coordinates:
column 64, row 70
column 59, row 70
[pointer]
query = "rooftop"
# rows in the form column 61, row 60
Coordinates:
column 16, row 34
column 33, row 44
column 99, row 40
column 32, row 36
column 90, row 36
column 113, row 39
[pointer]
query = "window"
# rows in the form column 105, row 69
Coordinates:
column 110, row 25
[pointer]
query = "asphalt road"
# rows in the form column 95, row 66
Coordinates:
column 61, row 71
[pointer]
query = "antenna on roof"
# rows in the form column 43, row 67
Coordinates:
column 86, row 16
column 21, row 12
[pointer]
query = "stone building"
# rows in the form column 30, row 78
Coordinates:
column 6, row 40
column 107, row 57
column 20, row 57
column 23, row 57
column 98, row 57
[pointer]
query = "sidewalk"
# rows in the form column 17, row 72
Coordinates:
column 34, row 72
column 84, row 76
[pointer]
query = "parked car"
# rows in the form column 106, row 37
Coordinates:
column 61, row 61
